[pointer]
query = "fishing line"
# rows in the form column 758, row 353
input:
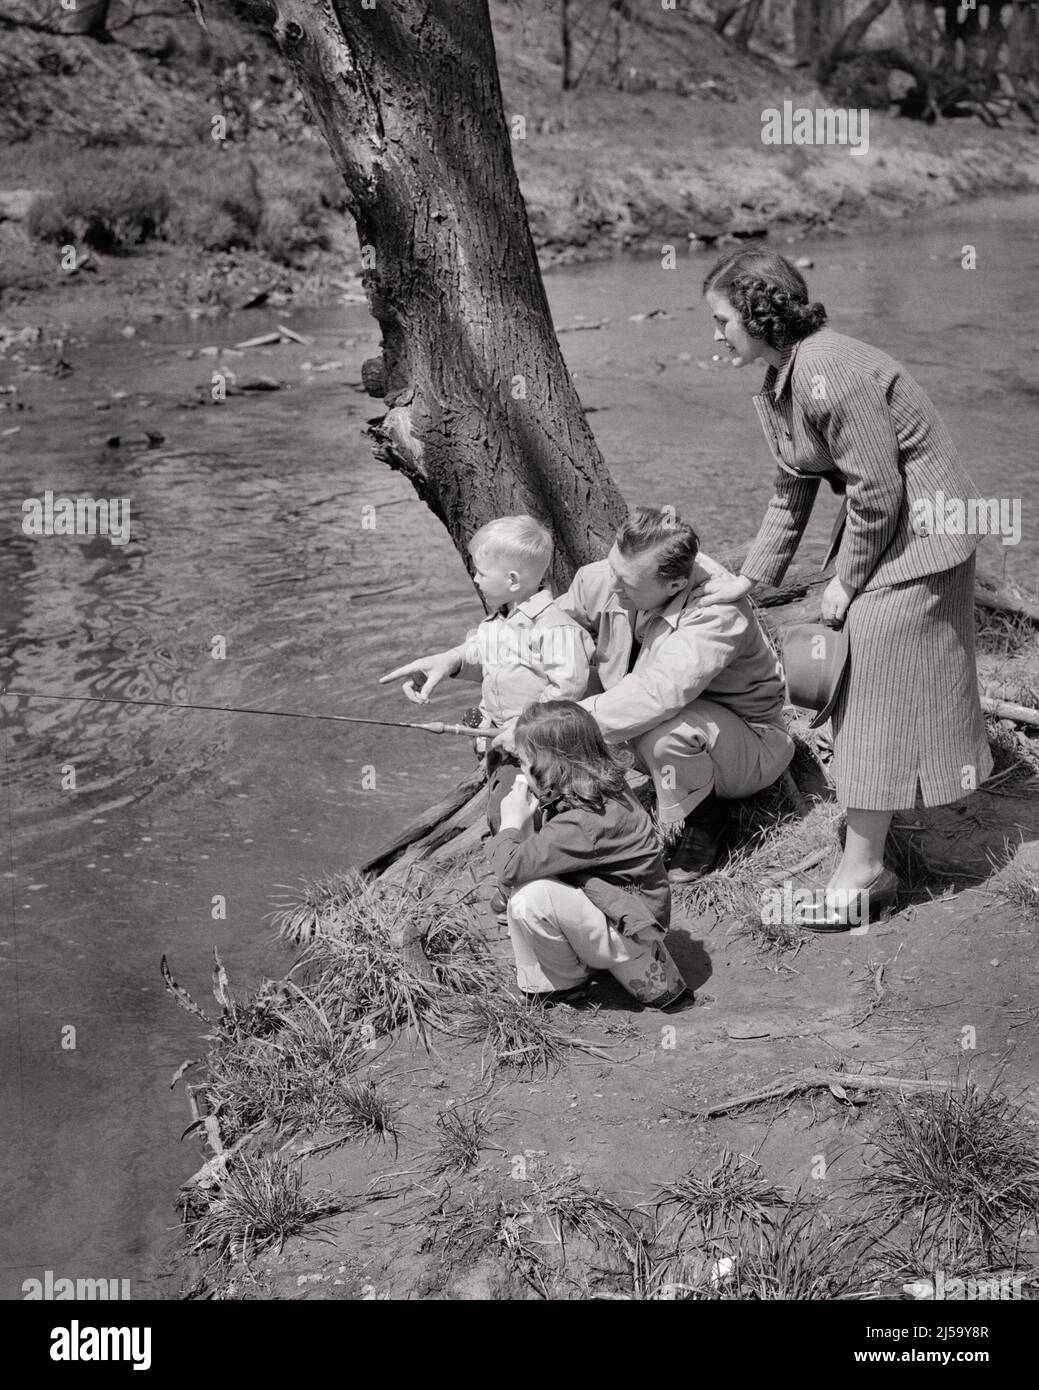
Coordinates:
column 437, row 726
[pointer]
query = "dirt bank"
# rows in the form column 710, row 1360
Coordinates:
column 565, row 1184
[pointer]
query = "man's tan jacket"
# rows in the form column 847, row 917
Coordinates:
column 718, row 652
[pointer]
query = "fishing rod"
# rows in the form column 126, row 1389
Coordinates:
column 436, row 726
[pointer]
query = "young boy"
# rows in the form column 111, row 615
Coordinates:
column 527, row 649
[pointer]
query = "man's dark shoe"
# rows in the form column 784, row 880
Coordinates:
column 701, row 842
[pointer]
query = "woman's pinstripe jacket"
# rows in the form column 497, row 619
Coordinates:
column 840, row 409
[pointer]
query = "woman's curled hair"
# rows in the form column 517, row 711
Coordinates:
column 769, row 293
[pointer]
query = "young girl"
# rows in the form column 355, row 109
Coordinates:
column 588, row 888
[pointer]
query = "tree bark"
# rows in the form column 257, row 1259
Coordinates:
column 846, row 44
column 482, row 415
column 816, row 25
column 566, row 39
column 89, row 18
column 748, row 19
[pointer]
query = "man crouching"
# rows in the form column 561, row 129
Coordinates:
column 694, row 686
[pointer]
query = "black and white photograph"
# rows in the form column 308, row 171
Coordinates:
column 519, row 669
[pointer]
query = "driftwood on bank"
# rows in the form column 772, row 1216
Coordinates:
column 424, row 825
column 835, row 1081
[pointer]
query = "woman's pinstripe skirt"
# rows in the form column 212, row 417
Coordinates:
column 908, row 717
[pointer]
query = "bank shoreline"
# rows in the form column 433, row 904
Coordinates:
column 682, row 209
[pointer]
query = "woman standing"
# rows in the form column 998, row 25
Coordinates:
column 908, row 719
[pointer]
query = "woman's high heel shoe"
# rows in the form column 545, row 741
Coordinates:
column 841, row 910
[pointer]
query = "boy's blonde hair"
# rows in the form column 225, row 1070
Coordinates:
column 518, row 538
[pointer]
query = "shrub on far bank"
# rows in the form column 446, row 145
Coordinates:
column 112, row 211
column 291, row 227
column 219, row 209
column 226, row 205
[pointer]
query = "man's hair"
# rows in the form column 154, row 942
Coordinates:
column 663, row 530
column 517, row 538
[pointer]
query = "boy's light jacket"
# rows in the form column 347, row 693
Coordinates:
column 536, row 652
column 717, row 651
column 840, row 409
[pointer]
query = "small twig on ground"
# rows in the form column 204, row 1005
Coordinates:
column 802, row 865
column 878, row 989
column 818, row 1080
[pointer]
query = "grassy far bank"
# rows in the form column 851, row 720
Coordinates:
column 112, row 151
column 388, row 1124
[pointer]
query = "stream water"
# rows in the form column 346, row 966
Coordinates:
column 247, row 525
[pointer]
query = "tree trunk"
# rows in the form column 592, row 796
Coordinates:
column 1023, row 43
column 817, row 23
column 846, row 44
column 89, row 18
column 748, row 19
column 566, row 39
column 482, row 416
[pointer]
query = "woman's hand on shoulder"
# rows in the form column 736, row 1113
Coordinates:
column 722, row 588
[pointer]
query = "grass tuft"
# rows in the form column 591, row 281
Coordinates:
column 315, row 907
column 366, row 1111
column 356, row 970
column 517, row 1033
column 260, row 1202
column 801, row 1256
column 1018, row 884
column 463, row 1132
column 721, row 1202
column 772, row 846
column 961, row 1168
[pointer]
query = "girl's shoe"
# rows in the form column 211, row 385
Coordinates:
column 843, row 910
column 664, row 1001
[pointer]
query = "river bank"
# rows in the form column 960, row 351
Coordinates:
column 820, row 1118
column 246, row 522
column 674, row 156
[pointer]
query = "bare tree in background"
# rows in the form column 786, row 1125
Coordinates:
column 816, row 23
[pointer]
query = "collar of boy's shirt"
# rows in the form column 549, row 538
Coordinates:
column 529, row 608
column 776, row 378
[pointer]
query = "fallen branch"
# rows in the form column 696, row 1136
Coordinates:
column 294, row 337
column 818, row 1081
column 581, row 327
column 461, row 830
column 997, row 598
column 429, row 820
column 1003, row 709
column 816, row 856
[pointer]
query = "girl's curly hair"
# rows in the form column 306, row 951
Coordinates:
column 568, row 756
column 769, row 294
